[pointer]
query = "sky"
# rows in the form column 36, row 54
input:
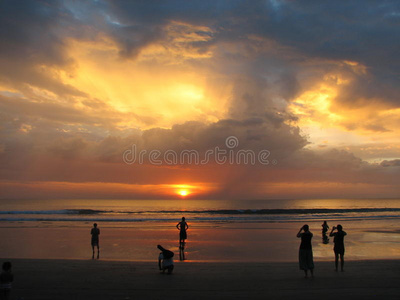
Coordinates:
column 309, row 88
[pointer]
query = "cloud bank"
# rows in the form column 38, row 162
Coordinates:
column 315, row 85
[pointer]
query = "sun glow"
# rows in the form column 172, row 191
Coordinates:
column 183, row 193
column 131, row 87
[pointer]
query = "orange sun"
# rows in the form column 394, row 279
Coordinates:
column 183, row 193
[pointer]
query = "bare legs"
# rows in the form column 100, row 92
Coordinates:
column 98, row 252
column 337, row 261
column 341, row 262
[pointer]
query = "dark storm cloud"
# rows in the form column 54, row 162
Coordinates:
column 25, row 30
column 360, row 31
column 31, row 36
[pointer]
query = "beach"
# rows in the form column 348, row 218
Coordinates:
column 98, row 279
column 245, row 250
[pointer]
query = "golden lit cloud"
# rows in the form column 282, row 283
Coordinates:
column 330, row 123
column 157, row 85
column 315, row 105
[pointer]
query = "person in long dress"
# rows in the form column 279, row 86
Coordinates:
column 306, row 261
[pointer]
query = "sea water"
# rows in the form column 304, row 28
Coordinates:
column 220, row 230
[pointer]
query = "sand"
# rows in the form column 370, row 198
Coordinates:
column 98, row 279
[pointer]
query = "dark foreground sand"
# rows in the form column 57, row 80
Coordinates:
column 80, row 279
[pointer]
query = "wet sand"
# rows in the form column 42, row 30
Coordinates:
column 240, row 242
column 98, row 279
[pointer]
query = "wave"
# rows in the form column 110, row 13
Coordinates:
column 311, row 211
column 294, row 211
column 222, row 219
column 55, row 212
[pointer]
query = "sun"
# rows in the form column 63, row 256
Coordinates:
column 183, row 193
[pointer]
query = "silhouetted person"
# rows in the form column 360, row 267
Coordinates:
column 6, row 279
column 306, row 261
column 182, row 226
column 95, row 232
column 325, row 228
column 339, row 245
column 165, row 260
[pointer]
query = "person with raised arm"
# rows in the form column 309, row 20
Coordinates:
column 306, row 261
column 339, row 245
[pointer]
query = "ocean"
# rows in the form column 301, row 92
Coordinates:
column 220, row 230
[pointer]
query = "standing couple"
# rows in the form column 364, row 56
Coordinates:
column 305, row 252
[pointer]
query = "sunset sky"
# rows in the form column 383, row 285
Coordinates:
column 316, row 83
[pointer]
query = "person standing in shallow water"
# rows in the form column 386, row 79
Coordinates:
column 182, row 227
column 306, row 261
column 339, row 246
column 95, row 232
column 325, row 228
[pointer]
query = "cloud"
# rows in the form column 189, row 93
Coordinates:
column 391, row 163
column 33, row 47
column 81, row 82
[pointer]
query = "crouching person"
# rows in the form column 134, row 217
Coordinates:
column 165, row 260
